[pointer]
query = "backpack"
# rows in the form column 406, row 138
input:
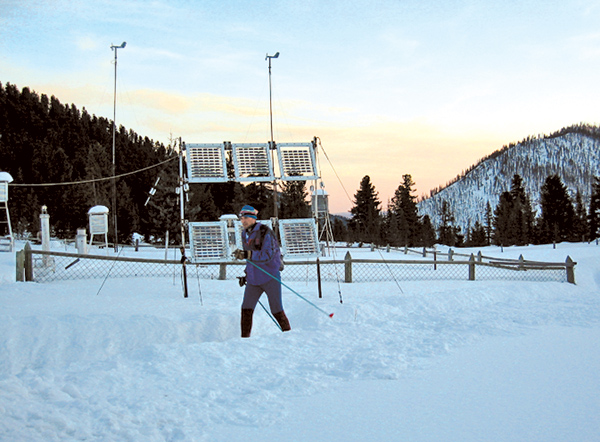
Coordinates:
column 263, row 231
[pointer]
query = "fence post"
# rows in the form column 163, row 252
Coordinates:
column 20, row 275
column 479, row 256
column 521, row 261
column 472, row 268
column 434, row 260
column 570, row 270
column 348, row 267
column 222, row 272
column 406, row 250
column 319, row 277
column 424, row 252
column 450, row 255
column 28, row 265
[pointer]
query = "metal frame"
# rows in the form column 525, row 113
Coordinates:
column 206, row 163
column 209, row 241
column 299, row 237
column 296, row 160
column 252, row 162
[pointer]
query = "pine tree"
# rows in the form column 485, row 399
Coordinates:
column 489, row 223
column 340, row 232
column 293, row 200
column 427, row 232
column 366, row 222
column 580, row 220
column 448, row 234
column 556, row 211
column 502, row 233
column 162, row 213
column 404, row 207
column 514, row 218
column 594, row 213
column 260, row 196
column 477, row 236
column 521, row 216
column 391, row 228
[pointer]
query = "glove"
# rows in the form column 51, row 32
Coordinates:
column 241, row 280
column 242, row 254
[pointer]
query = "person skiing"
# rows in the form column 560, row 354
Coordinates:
column 262, row 249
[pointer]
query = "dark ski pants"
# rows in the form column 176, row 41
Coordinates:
column 254, row 292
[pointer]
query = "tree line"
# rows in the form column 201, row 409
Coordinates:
column 60, row 157
column 512, row 222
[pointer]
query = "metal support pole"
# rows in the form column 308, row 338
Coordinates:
column 319, row 277
column 181, row 195
column 114, row 168
column 272, row 145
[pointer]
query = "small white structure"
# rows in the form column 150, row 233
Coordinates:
column 98, row 217
column 6, row 178
column 45, row 229
column 80, row 242
column 320, row 202
column 320, row 207
column 232, row 232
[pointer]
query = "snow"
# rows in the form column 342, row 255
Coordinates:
column 98, row 210
column 6, row 177
column 423, row 361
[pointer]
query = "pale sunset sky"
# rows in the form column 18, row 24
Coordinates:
column 390, row 87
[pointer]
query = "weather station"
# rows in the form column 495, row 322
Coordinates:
column 252, row 162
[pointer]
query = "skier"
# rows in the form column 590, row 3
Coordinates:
column 261, row 248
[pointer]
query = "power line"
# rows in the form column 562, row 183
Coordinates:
column 94, row 180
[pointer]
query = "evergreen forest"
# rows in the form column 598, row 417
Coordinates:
column 61, row 157
column 511, row 222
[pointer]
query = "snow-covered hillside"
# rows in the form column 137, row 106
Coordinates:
column 443, row 361
column 575, row 157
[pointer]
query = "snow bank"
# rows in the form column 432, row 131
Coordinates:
column 137, row 361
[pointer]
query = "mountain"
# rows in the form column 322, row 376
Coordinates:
column 573, row 153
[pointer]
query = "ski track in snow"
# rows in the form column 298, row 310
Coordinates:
column 139, row 362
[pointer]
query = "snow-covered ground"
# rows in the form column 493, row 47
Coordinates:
column 418, row 361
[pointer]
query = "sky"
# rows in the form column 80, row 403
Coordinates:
column 425, row 88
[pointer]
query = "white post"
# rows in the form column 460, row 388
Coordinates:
column 166, row 245
column 80, row 241
column 45, row 227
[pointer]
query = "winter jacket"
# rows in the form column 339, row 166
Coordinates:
column 261, row 240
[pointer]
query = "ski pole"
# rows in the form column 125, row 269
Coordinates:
column 291, row 289
column 270, row 315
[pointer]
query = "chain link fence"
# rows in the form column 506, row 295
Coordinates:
column 43, row 266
